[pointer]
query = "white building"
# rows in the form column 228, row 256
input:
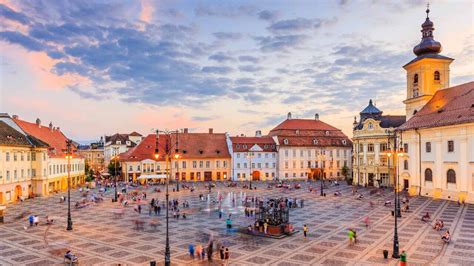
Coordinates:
column 307, row 146
column 438, row 138
column 253, row 157
column 119, row 143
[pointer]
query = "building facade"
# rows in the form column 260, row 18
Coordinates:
column 438, row 138
column 253, row 158
column 51, row 166
column 194, row 157
column 18, row 161
column 373, row 135
column 306, row 146
column 93, row 155
column 119, row 143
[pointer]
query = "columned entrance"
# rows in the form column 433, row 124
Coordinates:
column 370, row 181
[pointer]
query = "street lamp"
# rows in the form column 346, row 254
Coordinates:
column 322, row 171
column 176, row 156
column 167, row 134
column 115, row 173
column 250, row 155
column 69, row 157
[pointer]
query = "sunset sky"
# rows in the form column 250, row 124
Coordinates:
column 101, row 67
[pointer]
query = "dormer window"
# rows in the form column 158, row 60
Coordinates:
column 128, row 142
column 118, row 142
column 327, row 133
column 370, row 126
column 285, row 141
column 244, row 146
column 415, row 79
column 315, row 141
column 297, row 132
column 436, row 76
column 344, row 142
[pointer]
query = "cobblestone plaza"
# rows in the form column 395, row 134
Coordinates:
column 101, row 238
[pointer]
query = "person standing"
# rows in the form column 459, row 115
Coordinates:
column 265, row 227
column 226, row 256
column 199, row 250
column 222, row 251
column 350, row 234
column 305, row 230
column 210, row 251
column 191, row 250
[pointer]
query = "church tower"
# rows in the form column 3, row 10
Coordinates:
column 428, row 72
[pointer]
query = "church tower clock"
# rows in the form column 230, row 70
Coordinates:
column 428, row 72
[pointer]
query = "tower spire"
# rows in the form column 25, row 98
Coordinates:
column 427, row 45
column 427, row 10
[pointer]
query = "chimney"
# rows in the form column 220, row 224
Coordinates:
column 258, row 133
column 211, row 130
column 51, row 126
column 186, row 130
column 57, row 128
column 15, row 116
column 289, row 115
column 38, row 122
column 316, row 116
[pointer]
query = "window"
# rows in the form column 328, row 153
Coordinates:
column 361, row 148
column 208, row 164
column 183, row 165
column 253, row 165
column 405, row 164
column 286, row 153
column 259, row 155
column 218, row 164
column 22, row 157
column 8, row 175
column 266, row 165
column 344, row 142
column 415, row 79
column 130, row 168
column 224, row 164
column 294, row 153
column 383, row 146
column 285, row 141
column 370, row 147
column 15, row 157
column 428, row 147
column 201, row 164
column 198, row 175
column 436, row 75
column 238, row 165
column 244, row 146
column 7, row 156
column 238, row 175
column 327, row 133
column 118, row 142
column 451, row 176
column 428, row 175
column 301, row 153
column 405, row 147
column 194, row 164
column 259, row 165
column 370, row 126
column 286, row 165
column 301, row 164
column 238, row 155
column 274, row 165
column 245, row 165
column 450, row 146
column 315, row 141
column 33, row 156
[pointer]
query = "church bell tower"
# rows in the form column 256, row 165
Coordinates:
column 428, row 72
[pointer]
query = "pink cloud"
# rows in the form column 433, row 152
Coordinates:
column 146, row 14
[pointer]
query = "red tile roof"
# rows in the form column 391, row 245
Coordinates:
column 451, row 106
column 191, row 145
column 304, row 132
column 52, row 136
column 303, row 124
column 244, row 144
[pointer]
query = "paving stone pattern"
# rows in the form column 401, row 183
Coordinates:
column 101, row 238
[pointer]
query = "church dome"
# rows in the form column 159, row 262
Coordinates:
column 427, row 45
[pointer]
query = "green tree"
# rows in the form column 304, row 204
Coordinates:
column 345, row 173
column 112, row 168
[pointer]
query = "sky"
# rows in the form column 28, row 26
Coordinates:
column 102, row 67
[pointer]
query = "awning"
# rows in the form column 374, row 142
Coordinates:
column 105, row 174
column 161, row 176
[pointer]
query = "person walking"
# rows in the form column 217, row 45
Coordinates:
column 220, row 214
column 191, row 251
column 305, row 230
column 350, row 234
column 198, row 250
column 265, row 227
column 210, row 251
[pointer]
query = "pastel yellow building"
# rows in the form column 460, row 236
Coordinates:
column 18, row 161
column 373, row 135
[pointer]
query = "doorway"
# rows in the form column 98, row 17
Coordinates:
column 370, row 181
column 18, row 192
column 406, row 184
column 207, row 176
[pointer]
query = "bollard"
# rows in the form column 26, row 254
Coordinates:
column 385, row 254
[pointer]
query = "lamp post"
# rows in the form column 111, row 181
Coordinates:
column 115, row 173
column 250, row 155
column 176, row 156
column 69, row 157
column 322, row 172
column 167, row 151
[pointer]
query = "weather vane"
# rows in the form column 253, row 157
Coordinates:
column 427, row 9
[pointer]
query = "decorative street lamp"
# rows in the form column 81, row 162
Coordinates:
column 69, row 157
column 167, row 134
column 176, row 157
column 250, row 155
column 322, row 172
column 115, row 173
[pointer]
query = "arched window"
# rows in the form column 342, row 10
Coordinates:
column 370, row 126
column 315, row 141
column 285, row 141
column 436, row 75
column 405, row 165
column 415, row 79
column 428, row 175
column 451, row 176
